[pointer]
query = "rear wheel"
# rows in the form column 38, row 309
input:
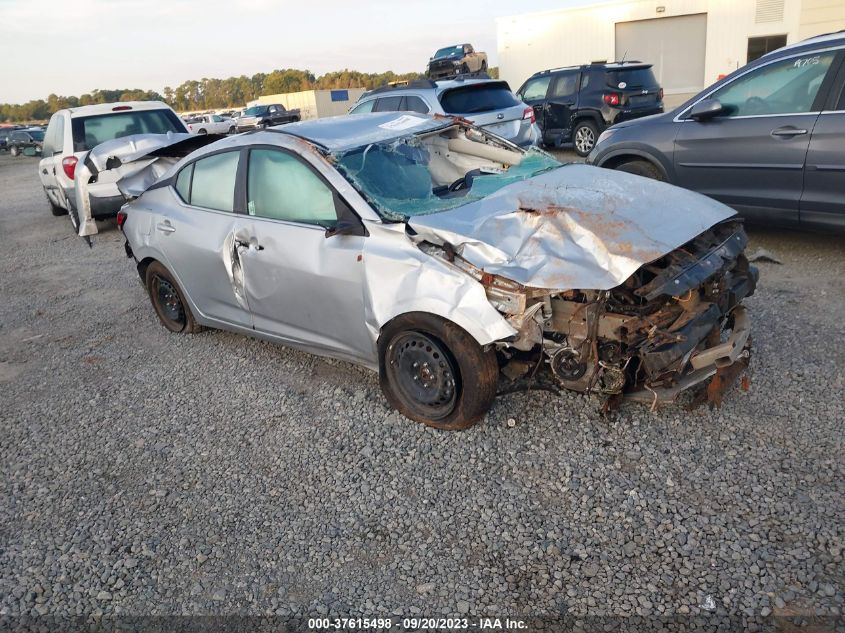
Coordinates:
column 233, row 130
column 54, row 208
column 484, row 66
column 584, row 137
column 168, row 301
column 641, row 168
column 434, row 372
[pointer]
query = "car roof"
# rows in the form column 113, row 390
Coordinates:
column 345, row 132
column 609, row 66
column 108, row 108
column 423, row 85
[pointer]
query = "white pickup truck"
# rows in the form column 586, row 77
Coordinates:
column 211, row 124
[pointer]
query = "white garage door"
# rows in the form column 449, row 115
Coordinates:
column 674, row 45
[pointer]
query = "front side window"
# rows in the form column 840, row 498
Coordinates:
column 213, row 182
column 783, row 87
column 536, row 89
column 281, row 187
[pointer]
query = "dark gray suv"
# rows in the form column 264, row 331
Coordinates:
column 768, row 139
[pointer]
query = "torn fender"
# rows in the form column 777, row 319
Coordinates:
column 573, row 227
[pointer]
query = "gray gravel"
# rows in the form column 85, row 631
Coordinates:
column 150, row 473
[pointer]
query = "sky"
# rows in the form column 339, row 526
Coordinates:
column 69, row 47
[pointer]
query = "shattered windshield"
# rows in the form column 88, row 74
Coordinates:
column 409, row 177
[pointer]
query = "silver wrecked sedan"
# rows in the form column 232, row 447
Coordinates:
column 448, row 259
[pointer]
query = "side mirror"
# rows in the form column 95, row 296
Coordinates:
column 706, row 109
column 347, row 222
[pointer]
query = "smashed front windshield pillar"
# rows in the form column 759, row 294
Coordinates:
column 419, row 175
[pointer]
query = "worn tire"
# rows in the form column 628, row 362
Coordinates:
column 14, row 150
column 155, row 274
column 476, row 370
column 641, row 168
column 55, row 209
column 589, row 130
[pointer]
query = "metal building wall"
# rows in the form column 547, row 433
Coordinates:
column 532, row 42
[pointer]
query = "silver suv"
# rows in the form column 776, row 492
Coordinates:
column 488, row 103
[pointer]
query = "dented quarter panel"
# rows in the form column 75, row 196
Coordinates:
column 573, row 227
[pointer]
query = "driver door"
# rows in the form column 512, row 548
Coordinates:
column 300, row 284
column 752, row 157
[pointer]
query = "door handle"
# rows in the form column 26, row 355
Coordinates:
column 165, row 227
column 253, row 246
column 788, row 131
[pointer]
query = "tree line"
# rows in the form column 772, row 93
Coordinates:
column 204, row 94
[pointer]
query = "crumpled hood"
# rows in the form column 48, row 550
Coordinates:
column 576, row 227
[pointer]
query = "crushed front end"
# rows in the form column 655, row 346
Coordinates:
column 675, row 323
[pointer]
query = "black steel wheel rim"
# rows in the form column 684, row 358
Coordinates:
column 424, row 372
column 168, row 300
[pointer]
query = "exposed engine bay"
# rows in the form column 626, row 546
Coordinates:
column 672, row 324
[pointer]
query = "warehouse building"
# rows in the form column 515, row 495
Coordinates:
column 314, row 104
column 691, row 43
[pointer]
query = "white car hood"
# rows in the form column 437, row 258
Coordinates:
column 576, row 227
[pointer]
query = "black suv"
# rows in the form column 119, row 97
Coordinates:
column 576, row 104
column 20, row 140
column 767, row 140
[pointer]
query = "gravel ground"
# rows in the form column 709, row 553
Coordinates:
column 150, row 473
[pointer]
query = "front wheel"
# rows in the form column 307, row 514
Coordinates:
column 435, row 373
column 168, row 301
column 202, row 131
column 233, row 130
column 641, row 168
column 584, row 137
column 14, row 150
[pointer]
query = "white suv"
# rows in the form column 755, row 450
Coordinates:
column 74, row 131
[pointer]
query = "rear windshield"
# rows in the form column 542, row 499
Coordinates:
column 256, row 110
column 632, row 78
column 478, row 98
column 90, row 131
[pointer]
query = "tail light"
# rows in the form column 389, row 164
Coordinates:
column 121, row 219
column 121, row 108
column 528, row 113
column 69, row 166
column 612, row 98
column 190, row 127
column 660, row 94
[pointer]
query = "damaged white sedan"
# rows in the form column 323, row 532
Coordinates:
column 451, row 261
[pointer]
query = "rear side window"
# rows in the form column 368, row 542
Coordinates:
column 632, row 78
column 212, row 182
column 183, row 183
column 415, row 104
column 388, row 104
column 483, row 97
column 90, row 131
